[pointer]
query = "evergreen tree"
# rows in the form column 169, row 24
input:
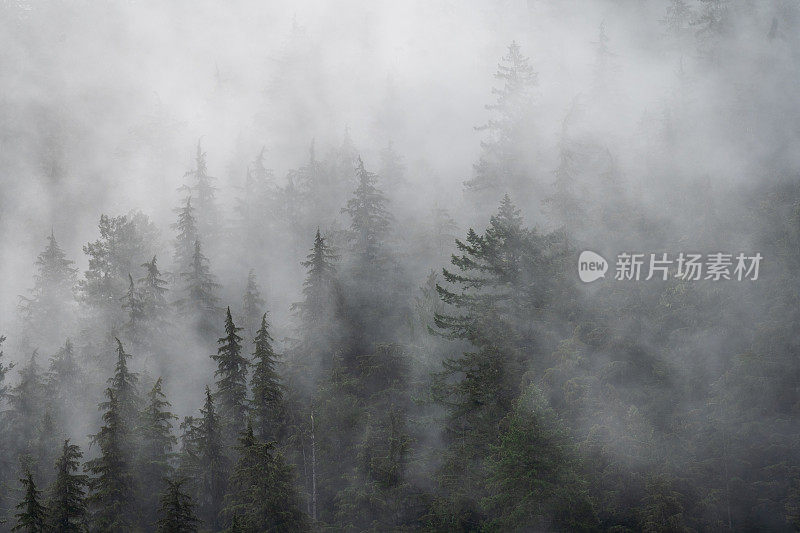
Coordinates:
column 6, row 441
column 176, row 509
column 186, row 226
column 231, row 377
column 506, row 276
column 133, row 303
column 155, row 447
column 125, row 241
column 32, row 515
column 66, row 505
column 369, row 220
column 205, row 193
column 125, row 386
column 252, row 305
column 152, row 289
column 52, row 298
column 503, row 156
column 199, row 301
column 318, row 287
column 112, row 485
column 27, row 402
column 211, row 463
column 266, row 386
column 262, row 494
column 534, row 480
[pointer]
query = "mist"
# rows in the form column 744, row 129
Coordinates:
column 340, row 241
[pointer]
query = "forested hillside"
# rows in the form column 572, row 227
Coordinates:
column 281, row 320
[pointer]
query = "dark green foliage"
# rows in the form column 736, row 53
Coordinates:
column 231, row 374
column 176, row 509
column 32, row 515
column 534, row 479
column 261, row 494
column 199, row 301
column 186, row 226
column 267, row 402
column 112, row 487
column 204, row 461
column 66, row 503
column 156, row 442
column 370, row 220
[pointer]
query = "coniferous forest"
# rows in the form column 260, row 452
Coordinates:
column 315, row 266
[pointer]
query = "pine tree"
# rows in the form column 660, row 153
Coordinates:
column 200, row 300
column 252, row 305
column 176, row 509
column 125, row 241
column 318, row 287
column 27, row 402
column 211, row 463
column 6, row 442
column 66, row 505
column 52, row 297
column 33, row 515
column 266, row 386
column 205, row 192
column 133, row 303
column 231, row 377
column 502, row 162
column 262, row 495
column 534, row 480
column 369, row 219
column 124, row 384
column 155, row 447
column 152, row 289
column 478, row 388
column 186, row 227
column 111, row 486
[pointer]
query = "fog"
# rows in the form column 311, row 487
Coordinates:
column 675, row 124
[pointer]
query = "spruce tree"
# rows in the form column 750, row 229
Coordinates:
column 152, row 290
column 231, row 377
column 252, row 305
column 125, row 386
column 265, row 383
column 176, row 509
column 211, row 463
column 503, row 156
column 186, row 226
column 199, row 302
column 27, row 401
column 32, row 516
column 133, row 304
column 262, row 495
column 50, row 304
column 318, row 287
column 156, row 442
column 125, row 241
column 205, row 193
column 66, row 504
column 112, row 485
column 369, row 220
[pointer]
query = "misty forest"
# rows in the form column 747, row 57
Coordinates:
column 314, row 266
